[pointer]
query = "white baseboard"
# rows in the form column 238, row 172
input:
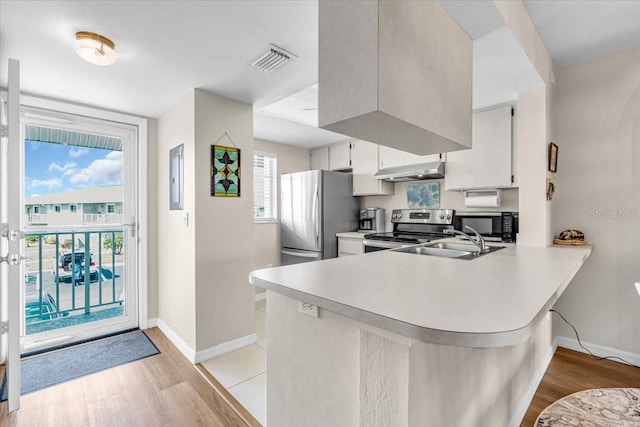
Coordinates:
column 261, row 296
column 599, row 350
column 184, row 348
column 225, row 347
column 152, row 323
column 200, row 356
column 525, row 401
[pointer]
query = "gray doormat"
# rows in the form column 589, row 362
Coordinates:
column 56, row 367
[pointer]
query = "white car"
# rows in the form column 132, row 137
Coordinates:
column 65, row 270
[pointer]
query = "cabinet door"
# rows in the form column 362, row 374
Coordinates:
column 320, row 158
column 364, row 157
column 347, row 246
column 390, row 157
column 488, row 163
column 340, row 156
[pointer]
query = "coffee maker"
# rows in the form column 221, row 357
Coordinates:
column 371, row 220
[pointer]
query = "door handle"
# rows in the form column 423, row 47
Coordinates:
column 133, row 225
column 13, row 259
column 16, row 235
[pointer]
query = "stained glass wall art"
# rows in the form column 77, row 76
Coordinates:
column 225, row 171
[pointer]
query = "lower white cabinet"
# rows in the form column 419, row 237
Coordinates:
column 350, row 246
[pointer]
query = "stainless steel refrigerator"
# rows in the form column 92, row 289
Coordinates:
column 316, row 205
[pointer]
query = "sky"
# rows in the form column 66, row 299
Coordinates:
column 55, row 168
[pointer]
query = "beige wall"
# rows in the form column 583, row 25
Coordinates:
column 448, row 200
column 152, row 218
column 175, row 240
column 597, row 123
column 224, row 303
column 266, row 248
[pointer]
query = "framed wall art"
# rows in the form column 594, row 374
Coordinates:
column 225, row 171
column 553, row 157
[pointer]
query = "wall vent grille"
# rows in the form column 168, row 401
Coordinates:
column 270, row 59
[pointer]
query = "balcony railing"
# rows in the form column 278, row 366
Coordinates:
column 109, row 218
column 36, row 218
column 62, row 289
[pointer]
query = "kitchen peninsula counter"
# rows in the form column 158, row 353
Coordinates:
column 492, row 301
column 412, row 340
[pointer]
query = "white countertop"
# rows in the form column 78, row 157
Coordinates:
column 354, row 234
column 492, row 301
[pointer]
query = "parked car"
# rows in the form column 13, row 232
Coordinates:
column 74, row 272
column 32, row 311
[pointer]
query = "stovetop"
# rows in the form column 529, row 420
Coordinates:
column 416, row 225
column 403, row 237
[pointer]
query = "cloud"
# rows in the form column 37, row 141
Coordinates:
column 107, row 171
column 55, row 167
column 50, row 184
column 74, row 153
column 70, row 172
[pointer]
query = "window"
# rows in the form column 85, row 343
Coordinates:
column 56, row 208
column 73, row 208
column 111, row 208
column 265, row 187
column 36, row 209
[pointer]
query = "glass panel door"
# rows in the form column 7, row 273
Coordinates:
column 79, row 207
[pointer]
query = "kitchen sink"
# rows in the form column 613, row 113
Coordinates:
column 464, row 251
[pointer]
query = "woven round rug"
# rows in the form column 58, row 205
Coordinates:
column 596, row 407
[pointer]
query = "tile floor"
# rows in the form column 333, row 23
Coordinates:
column 243, row 372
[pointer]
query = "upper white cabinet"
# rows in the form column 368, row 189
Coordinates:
column 319, row 158
column 390, row 157
column 364, row 164
column 489, row 163
column 340, row 156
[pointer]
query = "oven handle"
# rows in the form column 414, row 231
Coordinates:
column 382, row 244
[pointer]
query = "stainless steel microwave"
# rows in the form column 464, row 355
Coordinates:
column 493, row 226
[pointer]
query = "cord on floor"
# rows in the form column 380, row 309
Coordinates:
column 586, row 349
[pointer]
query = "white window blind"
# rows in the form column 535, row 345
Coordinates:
column 265, row 187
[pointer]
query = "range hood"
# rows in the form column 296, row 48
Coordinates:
column 417, row 172
column 395, row 73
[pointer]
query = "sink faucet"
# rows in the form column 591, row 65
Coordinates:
column 479, row 241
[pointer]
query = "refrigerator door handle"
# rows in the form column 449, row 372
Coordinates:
column 300, row 254
column 318, row 219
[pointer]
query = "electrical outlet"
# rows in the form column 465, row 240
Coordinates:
column 308, row 309
column 269, row 265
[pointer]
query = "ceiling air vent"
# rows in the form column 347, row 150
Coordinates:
column 270, row 59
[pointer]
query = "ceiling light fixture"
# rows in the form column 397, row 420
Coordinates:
column 95, row 48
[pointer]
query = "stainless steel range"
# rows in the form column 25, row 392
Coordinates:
column 410, row 227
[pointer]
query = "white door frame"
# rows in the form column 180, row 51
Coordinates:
column 142, row 221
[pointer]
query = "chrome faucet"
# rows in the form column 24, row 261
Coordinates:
column 479, row 241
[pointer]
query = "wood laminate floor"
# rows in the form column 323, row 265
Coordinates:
column 161, row 390
column 571, row 371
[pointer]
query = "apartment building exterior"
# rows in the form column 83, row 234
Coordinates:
column 95, row 205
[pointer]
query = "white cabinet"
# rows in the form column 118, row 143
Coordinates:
column 340, row 156
column 348, row 245
column 488, row 164
column 320, row 158
column 364, row 164
column 391, row 157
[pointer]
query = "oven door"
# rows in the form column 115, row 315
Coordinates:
column 371, row 245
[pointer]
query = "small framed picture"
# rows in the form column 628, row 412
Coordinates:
column 553, row 157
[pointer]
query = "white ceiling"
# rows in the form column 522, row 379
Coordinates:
column 166, row 48
column 579, row 30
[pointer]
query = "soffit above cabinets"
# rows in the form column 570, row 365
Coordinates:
column 397, row 74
